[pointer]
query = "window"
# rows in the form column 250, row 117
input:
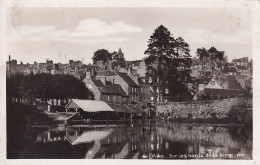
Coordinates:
column 166, row 91
column 150, row 80
column 151, row 98
column 108, row 98
column 212, row 82
column 158, row 80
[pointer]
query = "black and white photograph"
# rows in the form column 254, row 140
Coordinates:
column 146, row 82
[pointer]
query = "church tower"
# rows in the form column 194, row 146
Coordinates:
column 120, row 53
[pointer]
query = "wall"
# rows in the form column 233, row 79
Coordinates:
column 92, row 87
column 197, row 109
column 213, row 86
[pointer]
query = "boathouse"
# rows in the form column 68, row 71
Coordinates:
column 88, row 106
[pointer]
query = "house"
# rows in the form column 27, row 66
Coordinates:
column 228, row 70
column 203, row 82
column 233, row 83
column 243, row 70
column 127, row 83
column 108, row 92
column 242, row 65
column 11, row 66
column 213, row 84
column 113, row 93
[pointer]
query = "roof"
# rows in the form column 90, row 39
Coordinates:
column 105, row 73
column 89, row 67
column 113, row 89
column 223, row 92
column 89, row 105
column 244, row 59
column 204, row 80
column 231, row 78
column 228, row 69
column 98, row 83
column 127, row 79
column 235, row 85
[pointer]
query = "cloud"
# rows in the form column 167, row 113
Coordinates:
column 97, row 28
column 212, row 36
column 87, row 31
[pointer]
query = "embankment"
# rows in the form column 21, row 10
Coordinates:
column 232, row 110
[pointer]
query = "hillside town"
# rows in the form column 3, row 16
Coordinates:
column 127, row 86
column 116, row 83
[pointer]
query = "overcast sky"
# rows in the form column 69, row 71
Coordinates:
column 61, row 34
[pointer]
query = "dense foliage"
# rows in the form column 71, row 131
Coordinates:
column 166, row 55
column 212, row 54
column 102, row 55
column 241, row 113
column 46, row 86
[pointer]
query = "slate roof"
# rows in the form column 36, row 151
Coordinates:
column 235, row 85
column 98, row 83
column 204, row 80
column 114, row 89
column 105, row 73
column 223, row 92
column 127, row 79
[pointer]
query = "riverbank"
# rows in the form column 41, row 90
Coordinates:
column 225, row 111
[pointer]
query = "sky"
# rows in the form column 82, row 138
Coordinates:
column 62, row 34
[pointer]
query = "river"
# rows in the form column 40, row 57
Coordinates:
column 152, row 140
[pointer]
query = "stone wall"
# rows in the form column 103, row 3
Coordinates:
column 197, row 109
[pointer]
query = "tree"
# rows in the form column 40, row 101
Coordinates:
column 101, row 55
column 46, row 86
column 212, row 53
column 165, row 55
column 202, row 53
column 117, row 61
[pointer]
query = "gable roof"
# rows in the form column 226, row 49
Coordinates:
column 105, row 73
column 127, row 79
column 235, row 85
column 204, row 80
column 98, row 83
column 89, row 105
column 114, row 89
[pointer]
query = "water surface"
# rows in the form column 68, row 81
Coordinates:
column 134, row 141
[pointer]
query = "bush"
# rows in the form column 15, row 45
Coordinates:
column 241, row 113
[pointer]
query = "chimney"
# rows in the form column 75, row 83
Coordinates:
column 9, row 58
column 109, row 65
column 113, row 81
column 88, row 74
column 118, row 68
column 129, row 71
column 92, row 71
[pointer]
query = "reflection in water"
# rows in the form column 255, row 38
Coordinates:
column 169, row 141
